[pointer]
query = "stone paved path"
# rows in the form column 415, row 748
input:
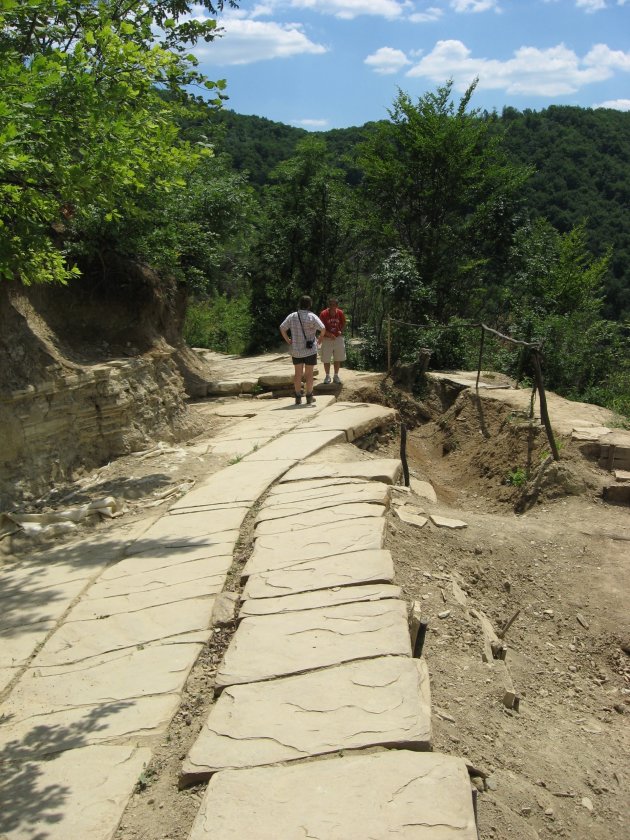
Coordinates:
column 92, row 672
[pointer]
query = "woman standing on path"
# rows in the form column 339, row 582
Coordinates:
column 303, row 326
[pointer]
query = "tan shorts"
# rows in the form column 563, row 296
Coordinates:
column 333, row 346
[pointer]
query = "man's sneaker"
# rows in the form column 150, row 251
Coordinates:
column 310, row 399
column 298, row 399
column 336, row 379
column 327, row 380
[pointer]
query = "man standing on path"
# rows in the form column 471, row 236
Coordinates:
column 303, row 326
column 333, row 344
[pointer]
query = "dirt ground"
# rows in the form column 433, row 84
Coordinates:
column 557, row 767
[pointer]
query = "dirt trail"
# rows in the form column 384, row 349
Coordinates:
column 559, row 766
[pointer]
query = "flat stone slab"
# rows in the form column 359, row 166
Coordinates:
column 278, row 552
column 243, row 482
column 355, row 419
column 319, row 598
column 77, row 641
column 78, row 794
column 176, row 526
column 374, row 702
column 622, row 475
column 349, row 569
column 278, row 645
column 165, row 562
column 445, row 522
column 592, row 433
column 306, row 500
column 424, row 489
column 391, row 795
column 387, row 470
column 295, row 445
column 319, row 518
column 411, row 516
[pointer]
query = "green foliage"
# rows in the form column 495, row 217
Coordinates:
column 219, row 323
column 443, row 191
column 83, row 130
column 517, row 477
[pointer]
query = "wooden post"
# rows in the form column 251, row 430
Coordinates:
column 544, row 413
column 482, row 339
column 389, row 343
column 403, row 453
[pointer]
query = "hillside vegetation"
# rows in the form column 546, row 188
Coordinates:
column 440, row 216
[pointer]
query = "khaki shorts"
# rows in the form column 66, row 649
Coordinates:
column 333, row 346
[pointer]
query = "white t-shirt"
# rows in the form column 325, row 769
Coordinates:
column 311, row 324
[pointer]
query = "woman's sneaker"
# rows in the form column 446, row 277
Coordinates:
column 298, row 399
column 310, row 399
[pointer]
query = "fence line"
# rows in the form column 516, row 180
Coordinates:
column 533, row 347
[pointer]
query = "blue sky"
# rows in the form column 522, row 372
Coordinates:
column 323, row 64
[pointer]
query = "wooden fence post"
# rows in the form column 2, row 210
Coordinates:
column 544, row 413
column 389, row 343
column 403, row 453
column 482, row 339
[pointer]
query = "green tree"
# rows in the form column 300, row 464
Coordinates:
column 444, row 191
column 305, row 240
column 83, row 129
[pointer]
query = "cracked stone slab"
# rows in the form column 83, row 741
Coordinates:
column 278, row 645
column 346, row 569
column 168, row 564
column 81, row 793
column 387, row 470
column 355, row 419
column 78, row 641
column 243, row 482
column 177, row 526
column 445, row 522
column 47, row 733
column 92, row 607
column 373, row 702
column 295, row 445
column 279, row 506
column 311, row 488
column 323, row 519
column 412, row 517
column 17, row 645
column 389, row 795
column 424, row 489
column 318, row 598
column 280, row 551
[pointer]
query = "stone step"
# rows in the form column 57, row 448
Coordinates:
column 373, row 702
column 273, row 646
column 386, row 795
column 318, row 598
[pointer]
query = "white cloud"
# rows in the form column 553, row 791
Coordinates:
column 430, row 15
column 247, row 41
column 591, row 5
column 555, row 71
column 616, row 104
column 350, row 9
column 387, row 60
column 474, row 5
column 311, row 123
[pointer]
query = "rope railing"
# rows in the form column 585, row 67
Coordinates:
column 533, row 346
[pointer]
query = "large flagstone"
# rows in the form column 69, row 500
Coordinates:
column 387, row 470
column 175, row 526
column 390, row 795
column 318, row 598
column 76, row 641
column 167, row 561
column 374, row 702
column 348, row 569
column 355, row 419
column 278, row 645
column 279, row 551
column 243, row 482
column 320, row 518
column 278, row 506
column 311, row 488
column 295, row 445
column 76, row 795
column 174, row 543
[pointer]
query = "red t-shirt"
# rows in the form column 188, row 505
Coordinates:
column 334, row 323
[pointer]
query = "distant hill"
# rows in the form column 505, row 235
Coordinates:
column 581, row 157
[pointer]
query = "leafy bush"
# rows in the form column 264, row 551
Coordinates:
column 220, row 324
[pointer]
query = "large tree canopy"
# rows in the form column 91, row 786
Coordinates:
column 445, row 191
column 83, row 127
